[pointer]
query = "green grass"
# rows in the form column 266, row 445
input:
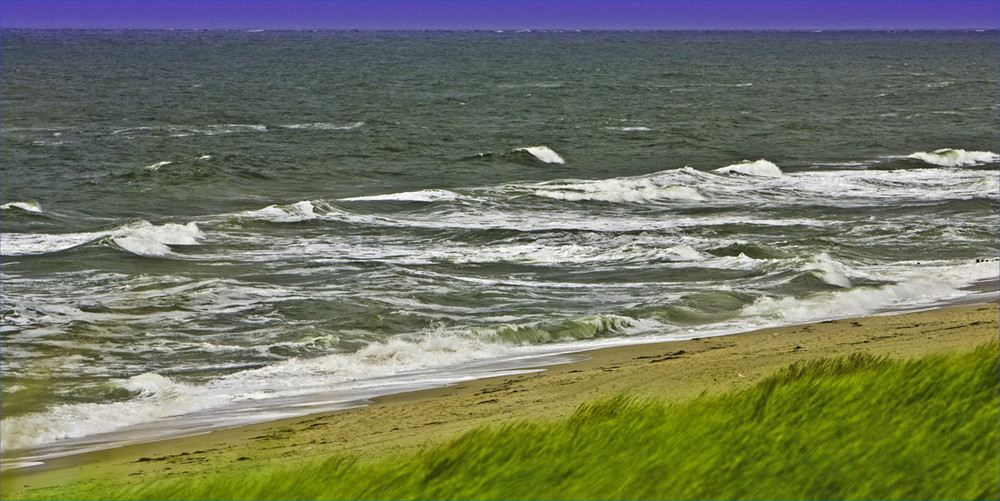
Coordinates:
column 859, row 427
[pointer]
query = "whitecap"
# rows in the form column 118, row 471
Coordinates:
column 829, row 270
column 85, row 419
column 947, row 157
column 142, row 238
column 299, row 211
column 27, row 244
column 914, row 284
column 630, row 129
column 758, row 168
column 324, row 126
column 544, row 154
column 308, row 210
column 431, row 195
column 620, row 190
column 146, row 239
column 157, row 165
column 379, row 367
column 25, row 206
column 148, row 384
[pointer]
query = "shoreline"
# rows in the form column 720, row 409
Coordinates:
column 405, row 422
column 199, row 423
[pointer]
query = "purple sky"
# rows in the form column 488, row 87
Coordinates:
column 484, row 14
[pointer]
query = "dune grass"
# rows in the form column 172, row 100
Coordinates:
column 859, row 427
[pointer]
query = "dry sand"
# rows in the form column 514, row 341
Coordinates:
column 407, row 422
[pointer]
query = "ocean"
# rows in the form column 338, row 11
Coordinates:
column 202, row 229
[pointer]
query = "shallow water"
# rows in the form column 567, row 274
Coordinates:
column 204, row 228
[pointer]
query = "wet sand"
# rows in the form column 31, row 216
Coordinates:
column 410, row 421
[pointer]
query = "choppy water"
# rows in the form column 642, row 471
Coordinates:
column 206, row 228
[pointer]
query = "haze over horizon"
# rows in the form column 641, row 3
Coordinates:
column 471, row 15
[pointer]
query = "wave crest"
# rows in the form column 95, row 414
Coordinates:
column 620, row 190
column 25, row 206
column 323, row 126
column 146, row 239
column 430, row 195
column 947, row 157
column 544, row 154
column 141, row 238
column 758, row 168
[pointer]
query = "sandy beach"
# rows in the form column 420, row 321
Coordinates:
column 406, row 422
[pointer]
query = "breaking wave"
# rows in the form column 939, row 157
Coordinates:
column 619, row 190
column 913, row 284
column 141, row 238
column 25, row 206
column 947, row 157
column 147, row 239
column 409, row 196
column 758, row 168
column 543, row 154
column 157, row 165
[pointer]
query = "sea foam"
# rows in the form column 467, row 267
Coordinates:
column 146, row 239
column 27, row 244
column 758, row 168
column 829, row 270
column 157, row 165
column 397, row 362
column 409, row 196
column 913, row 284
column 25, row 206
column 947, row 157
column 304, row 210
column 142, row 238
column 544, row 154
column 323, row 126
column 659, row 186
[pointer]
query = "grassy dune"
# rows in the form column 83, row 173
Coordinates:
column 847, row 428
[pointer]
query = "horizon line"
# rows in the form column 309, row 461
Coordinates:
column 500, row 30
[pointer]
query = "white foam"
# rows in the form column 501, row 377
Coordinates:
column 148, row 384
column 630, row 129
column 299, row 211
column 308, row 210
column 81, row 420
column 324, row 126
column 142, row 238
column 433, row 357
column 25, row 206
column 146, row 239
column 947, row 157
column 207, row 130
column 619, row 190
column 230, row 128
column 556, row 254
column 157, row 165
column 158, row 397
column 914, row 284
column 409, row 196
column 987, row 187
column 758, row 168
column 831, row 271
column 26, row 244
column 544, row 154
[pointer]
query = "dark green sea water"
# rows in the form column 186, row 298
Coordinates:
column 202, row 228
